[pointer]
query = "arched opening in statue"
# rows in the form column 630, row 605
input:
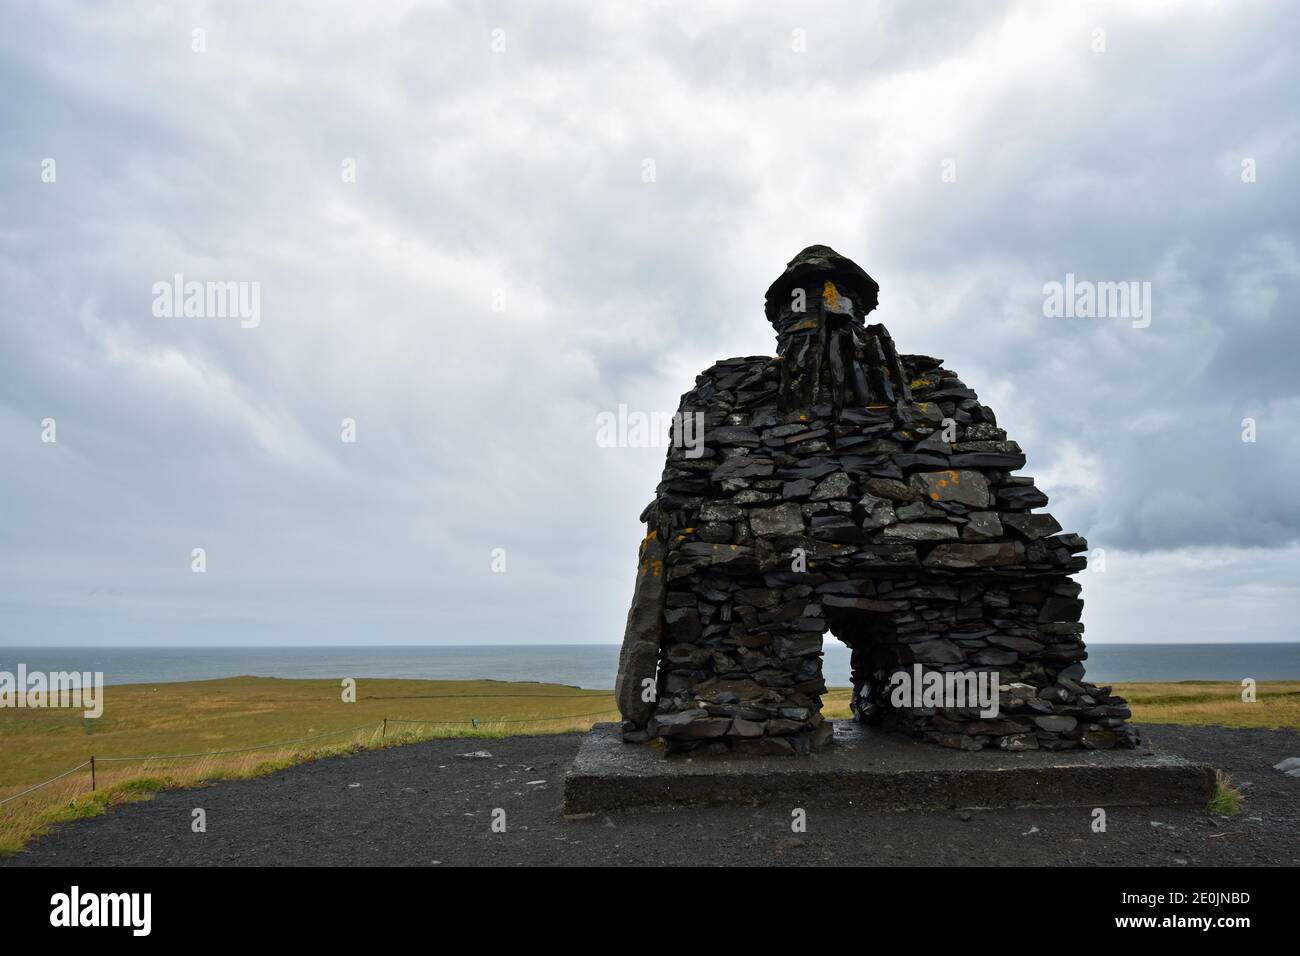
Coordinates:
column 866, row 628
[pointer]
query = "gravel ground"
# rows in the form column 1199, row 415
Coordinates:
column 426, row 804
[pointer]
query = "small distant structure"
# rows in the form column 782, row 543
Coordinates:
column 845, row 488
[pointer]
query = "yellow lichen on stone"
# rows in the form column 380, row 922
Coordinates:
column 953, row 478
column 921, row 382
column 831, row 295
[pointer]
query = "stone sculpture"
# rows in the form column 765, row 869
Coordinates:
column 844, row 487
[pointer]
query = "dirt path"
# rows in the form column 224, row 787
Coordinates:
column 425, row 804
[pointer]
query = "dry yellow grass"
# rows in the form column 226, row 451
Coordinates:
column 141, row 720
column 1214, row 703
column 835, row 703
column 1202, row 703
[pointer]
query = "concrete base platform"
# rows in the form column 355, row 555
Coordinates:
column 877, row 770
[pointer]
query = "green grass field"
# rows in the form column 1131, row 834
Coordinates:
column 160, row 720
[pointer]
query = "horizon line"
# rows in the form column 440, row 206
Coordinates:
column 189, row 647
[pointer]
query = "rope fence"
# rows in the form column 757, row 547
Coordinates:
column 240, row 750
column 479, row 696
column 382, row 727
column 478, row 722
column 45, row 784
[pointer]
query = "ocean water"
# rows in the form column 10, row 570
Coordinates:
column 583, row 665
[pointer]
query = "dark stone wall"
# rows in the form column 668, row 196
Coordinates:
column 842, row 487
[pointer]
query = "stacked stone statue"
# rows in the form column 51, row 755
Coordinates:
column 844, row 487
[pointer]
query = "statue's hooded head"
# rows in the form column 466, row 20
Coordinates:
column 818, row 307
column 819, row 276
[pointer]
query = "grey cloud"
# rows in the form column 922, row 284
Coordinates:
column 521, row 172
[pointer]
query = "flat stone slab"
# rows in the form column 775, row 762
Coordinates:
column 878, row 770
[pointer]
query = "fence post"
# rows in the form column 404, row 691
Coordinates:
column 385, row 733
column 92, row 772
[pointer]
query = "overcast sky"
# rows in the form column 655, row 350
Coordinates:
column 501, row 271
